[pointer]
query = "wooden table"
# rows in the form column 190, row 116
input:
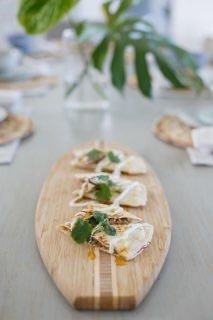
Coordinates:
column 184, row 289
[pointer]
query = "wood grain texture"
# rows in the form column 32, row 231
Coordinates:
column 100, row 283
column 29, row 84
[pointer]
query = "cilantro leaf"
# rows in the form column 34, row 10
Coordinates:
column 99, row 179
column 103, row 193
column 102, row 219
column 99, row 216
column 81, row 231
column 95, row 155
column 112, row 157
column 102, row 178
column 92, row 222
column 109, row 229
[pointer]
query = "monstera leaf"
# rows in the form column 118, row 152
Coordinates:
column 38, row 16
column 118, row 32
column 176, row 64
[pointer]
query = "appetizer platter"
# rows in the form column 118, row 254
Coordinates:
column 103, row 227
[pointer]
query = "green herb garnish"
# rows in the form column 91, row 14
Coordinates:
column 81, row 231
column 112, row 157
column 102, row 178
column 99, row 216
column 104, row 187
column 109, row 229
column 95, row 155
column 103, row 221
column 103, row 193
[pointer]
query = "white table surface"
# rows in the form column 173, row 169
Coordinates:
column 184, row 289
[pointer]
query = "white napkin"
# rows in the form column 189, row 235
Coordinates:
column 10, row 99
column 202, row 153
column 7, row 152
column 203, row 137
column 200, row 157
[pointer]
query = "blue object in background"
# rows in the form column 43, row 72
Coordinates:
column 200, row 58
column 22, row 41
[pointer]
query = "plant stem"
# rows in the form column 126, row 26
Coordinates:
column 86, row 70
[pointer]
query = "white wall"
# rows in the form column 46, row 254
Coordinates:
column 8, row 12
column 192, row 22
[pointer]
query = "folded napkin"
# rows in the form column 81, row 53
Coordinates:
column 7, row 152
column 202, row 153
column 10, row 100
column 203, row 137
column 200, row 157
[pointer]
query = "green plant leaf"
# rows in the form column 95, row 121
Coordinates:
column 99, row 179
column 142, row 72
column 38, row 16
column 81, row 231
column 106, row 10
column 87, row 31
column 95, row 154
column 123, row 7
column 99, row 216
column 112, row 157
column 118, row 75
column 100, row 53
column 109, row 229
column 103, row 193
column 191, row 79
column 184, row 57
column 175, row 64
column 102, row 219
column 168, row 70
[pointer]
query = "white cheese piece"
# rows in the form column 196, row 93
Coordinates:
column 132, row 241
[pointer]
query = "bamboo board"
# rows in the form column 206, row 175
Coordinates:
column 98, row 284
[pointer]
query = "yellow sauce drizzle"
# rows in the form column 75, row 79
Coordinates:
column 120, row 261
column 64, row 228
column 91, row 253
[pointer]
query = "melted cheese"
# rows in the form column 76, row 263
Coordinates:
column 119, row 199
column 102, row 164
column 81, row 204
column 132, row 241
column 133, row 192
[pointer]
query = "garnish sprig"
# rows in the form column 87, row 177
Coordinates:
column 84, row 229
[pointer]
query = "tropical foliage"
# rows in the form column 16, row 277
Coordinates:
column 118, row 32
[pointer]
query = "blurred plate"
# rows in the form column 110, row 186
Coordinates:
column 3, row 114
column 16, row 75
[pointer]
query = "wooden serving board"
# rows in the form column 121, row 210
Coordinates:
column 100, row 283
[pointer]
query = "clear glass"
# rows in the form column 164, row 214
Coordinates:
column 85, row 89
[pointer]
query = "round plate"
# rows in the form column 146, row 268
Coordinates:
column 15, row 127
column 172, row 130
column 3, row 114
